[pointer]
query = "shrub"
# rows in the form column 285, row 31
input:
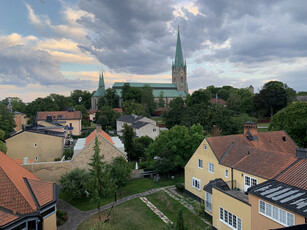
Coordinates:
column 180, row 187
column 68, row 153
column 61, row 217
column 74, row 184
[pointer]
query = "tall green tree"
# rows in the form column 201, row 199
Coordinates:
column 41, row 104
column 109, row 99
column 3, row 147
column 61, row 100
column 17, row 104
column 110, row 114
column 140, row 146
column 292, row 119
column 200, row 96
column 128, row 136
column 131, row 107
column 120, row 171
column 101, row 183
column 81, row 97
column 175, row 113
column 7, row 122
column 147, row 100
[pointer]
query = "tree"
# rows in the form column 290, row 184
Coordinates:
column 128, row 136
column 131, row 93
column 111, row 116
column 85, row 120
column 140, row 145
column 161, row 102
column 200, row 96
column 274, row 96
column 109, row 99
column 120, row 171
column 176, row 145
column 240, row 101
column 61, row 101
column 292, row 119
column 3, row 147
column 175, row 113
column 74, row 184
column 81, row 97
column 147, row 100
column 17, row 104
column 7, row 122
column 103, row 121
column 131, row 107
column 41, row 104
column 101, row 183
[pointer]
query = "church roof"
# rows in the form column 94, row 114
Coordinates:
column 167, row 89
column 101, row 87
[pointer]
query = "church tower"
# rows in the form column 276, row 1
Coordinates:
column 179, row 68
column 99, row 93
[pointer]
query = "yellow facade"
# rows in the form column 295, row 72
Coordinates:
column 50, row 222
column 234, row 206
column 36, row 146
column 76, row 124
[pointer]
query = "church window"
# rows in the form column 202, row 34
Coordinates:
column 181, row 79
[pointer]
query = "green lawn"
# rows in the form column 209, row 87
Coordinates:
column 134, row 187
column 132, row 215
column 171, row 207
column 136, row 215
column 261, row 130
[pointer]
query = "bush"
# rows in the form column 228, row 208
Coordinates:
column 57, row 159
column 68, row 153
column 179, row 187
column 74, row 184
column 61, row 217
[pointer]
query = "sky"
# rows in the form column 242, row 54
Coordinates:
column 56, row 46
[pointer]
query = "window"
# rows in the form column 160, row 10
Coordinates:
column 230, row 219
column 35, row 145
column 200, row 163
column 154, row 130
column 196, row 183
column 205, row 147
column 226, row 173
column 211, row 167
column 208, row 204
column 36, row 158
column 277, row 214
column 249, row 181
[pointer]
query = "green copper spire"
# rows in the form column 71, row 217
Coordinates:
column 178, row 57
column 101, row 81
column 101, row 88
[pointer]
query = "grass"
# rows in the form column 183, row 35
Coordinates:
column 136, row 215
column 171, row 207
column 134, row 187
column 132, row 215
column 262, row 130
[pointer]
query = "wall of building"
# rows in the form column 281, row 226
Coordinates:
column 119, row 126
column 148, row 130
column 236, row 207
column 31, row 145
column 261, row 222
column 238, row 176
column 76, row 124
column 20, row 120
column 192, row 170
column 49, row 171
column 148, row 120
column 50, row 222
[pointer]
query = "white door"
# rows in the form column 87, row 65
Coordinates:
column 249, row 182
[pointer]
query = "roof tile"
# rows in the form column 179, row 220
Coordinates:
column 66, row 115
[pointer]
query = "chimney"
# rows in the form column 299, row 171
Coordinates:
column 98, row 129
column 301, row 153
column 250, row 130
column 25, row 160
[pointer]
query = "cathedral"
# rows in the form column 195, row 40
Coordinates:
column 169, row 91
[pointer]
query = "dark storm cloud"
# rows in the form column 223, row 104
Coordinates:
column 20, row 66
column 130, row 36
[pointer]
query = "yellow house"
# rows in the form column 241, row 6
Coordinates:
column 223, row 168
column 71, row 119
column 36, row 145
column 26, row 202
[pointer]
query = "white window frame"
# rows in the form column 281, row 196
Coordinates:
column 208, row 202
column 233, row 223
column 280, row 212
column 200, row 163
column 226, row 173
column 196, row 183
column 211, row 168
column 251, row 180
column 205, row 147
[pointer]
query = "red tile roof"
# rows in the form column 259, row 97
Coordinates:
column 15, row 194
column 96, row 132
column 6, row 218
column 266, row 157
column 66, row 115
column 296, row 175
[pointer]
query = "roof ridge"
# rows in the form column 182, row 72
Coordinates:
column 31, row 192
column 227, row 150
column 286, row 169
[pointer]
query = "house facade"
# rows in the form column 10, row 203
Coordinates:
column 26, row 202
column 71, row 119
column 142, row 126
column 224, row 168
column 36, row 145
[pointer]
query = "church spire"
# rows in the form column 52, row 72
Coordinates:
column 178, row 56
column 101, row 82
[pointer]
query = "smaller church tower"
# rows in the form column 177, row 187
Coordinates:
column 99, row 93
column 179, row 68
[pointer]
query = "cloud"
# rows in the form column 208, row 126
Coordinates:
column 130, row 36
column 21, row 66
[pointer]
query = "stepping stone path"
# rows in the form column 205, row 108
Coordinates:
column 156, row 210
column 186, row 202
